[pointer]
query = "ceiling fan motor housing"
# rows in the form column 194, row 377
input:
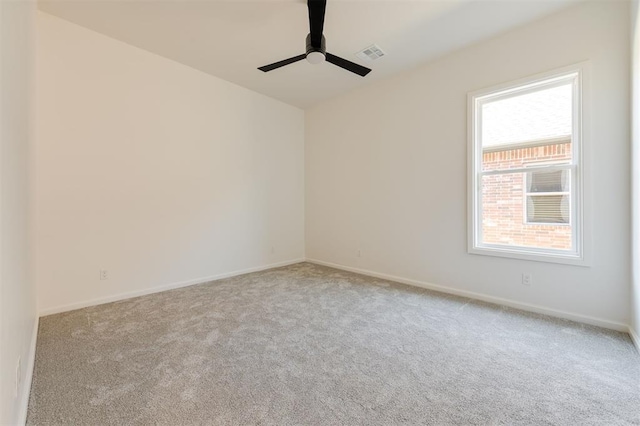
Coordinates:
column 315, row 55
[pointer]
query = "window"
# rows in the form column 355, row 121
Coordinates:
column 547, row 197
column 525, row 170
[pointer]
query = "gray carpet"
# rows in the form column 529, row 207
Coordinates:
column 309, row 345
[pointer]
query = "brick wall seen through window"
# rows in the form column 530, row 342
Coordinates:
column 503, row 198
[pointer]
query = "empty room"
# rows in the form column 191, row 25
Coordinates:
column 319, row 212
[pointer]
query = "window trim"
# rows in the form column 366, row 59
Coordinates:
column 579, row 74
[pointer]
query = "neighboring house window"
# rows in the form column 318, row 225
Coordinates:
column 547, row 197
column 525, row 169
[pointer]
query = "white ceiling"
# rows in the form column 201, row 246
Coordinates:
column 230, row 39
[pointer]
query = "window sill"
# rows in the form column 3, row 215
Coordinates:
column 524, row 254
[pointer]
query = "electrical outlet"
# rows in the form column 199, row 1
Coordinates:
column 527, row 279
column 104, row 274
column 18, row 377
column 273, row 250
column 359, row 253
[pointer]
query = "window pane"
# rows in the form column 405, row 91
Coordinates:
column 548, row 208
column 548, row 181
column 505, row 215
column 529, row 127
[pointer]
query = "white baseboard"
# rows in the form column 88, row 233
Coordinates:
column 449, row 290
column 634, row 338
column 483, row 297
column 26, row 384
column 158, row 289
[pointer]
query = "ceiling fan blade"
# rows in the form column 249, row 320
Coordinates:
column 348, row 65
column 316, row 21
column 271, row 67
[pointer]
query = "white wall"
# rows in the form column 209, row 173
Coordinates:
column 154, row 171
column 386, row 169
column 635, row 143
column 17, row 291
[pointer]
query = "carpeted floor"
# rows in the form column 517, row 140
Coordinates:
column 309, row 345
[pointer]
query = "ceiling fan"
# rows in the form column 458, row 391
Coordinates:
column 316, row 50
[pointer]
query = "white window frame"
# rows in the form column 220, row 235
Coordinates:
column 578, row 255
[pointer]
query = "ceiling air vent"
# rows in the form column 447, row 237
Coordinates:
column 370, row 53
